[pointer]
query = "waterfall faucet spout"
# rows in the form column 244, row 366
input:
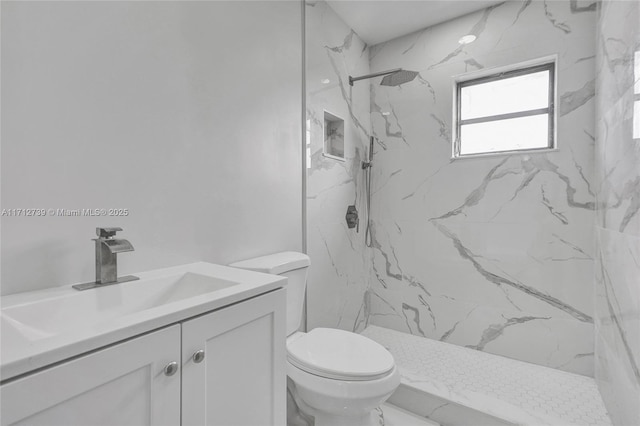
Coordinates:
column 107, row 249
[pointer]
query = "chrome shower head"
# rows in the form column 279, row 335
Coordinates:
column 398, row 78
column 394, row 77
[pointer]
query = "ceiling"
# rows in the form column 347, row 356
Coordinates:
column 376, row 21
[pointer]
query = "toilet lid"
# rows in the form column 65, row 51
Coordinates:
column 339, row 354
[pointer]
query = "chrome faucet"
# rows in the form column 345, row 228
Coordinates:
column 107, row 249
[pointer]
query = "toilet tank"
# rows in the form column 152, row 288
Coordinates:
column 292, row 265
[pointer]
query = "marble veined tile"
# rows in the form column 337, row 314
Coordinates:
column 617, row 271
column 390, row 415
column 338, row 276
column 618, row 324
column 493, row 253
column 619, row 163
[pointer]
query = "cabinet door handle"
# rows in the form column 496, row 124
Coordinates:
column 171, row 368
column 198, row 356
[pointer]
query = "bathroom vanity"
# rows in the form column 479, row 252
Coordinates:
column 194, row 345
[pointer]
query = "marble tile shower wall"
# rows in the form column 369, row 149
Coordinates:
column 492, row 253
column 617, row 268
column 339, row 262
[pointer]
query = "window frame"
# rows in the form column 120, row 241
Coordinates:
column 495, row 74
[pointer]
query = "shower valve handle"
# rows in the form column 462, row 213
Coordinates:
column 353, row 221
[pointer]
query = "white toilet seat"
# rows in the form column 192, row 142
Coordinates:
column 344, row 389
column 339, row 355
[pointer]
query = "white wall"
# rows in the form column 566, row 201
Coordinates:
column 186, row 113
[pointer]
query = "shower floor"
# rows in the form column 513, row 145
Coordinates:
column 454, row 385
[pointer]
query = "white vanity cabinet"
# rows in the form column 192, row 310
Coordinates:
column 238, row 379
column 242, row 378
column 123, row 384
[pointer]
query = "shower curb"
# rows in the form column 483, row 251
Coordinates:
column 454, row 385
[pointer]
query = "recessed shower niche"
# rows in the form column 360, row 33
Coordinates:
column 333, row 136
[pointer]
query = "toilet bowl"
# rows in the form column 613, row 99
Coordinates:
column 339, row 376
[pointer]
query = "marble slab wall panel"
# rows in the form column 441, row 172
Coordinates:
column 339, row 262
column 617, row 269
column 491, row 253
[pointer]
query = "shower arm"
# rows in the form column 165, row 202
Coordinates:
column 377, row 74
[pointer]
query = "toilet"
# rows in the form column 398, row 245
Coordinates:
column 340, row 377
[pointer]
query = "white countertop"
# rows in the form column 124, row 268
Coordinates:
column 24, row 348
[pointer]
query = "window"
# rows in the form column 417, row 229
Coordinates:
column 504, row 112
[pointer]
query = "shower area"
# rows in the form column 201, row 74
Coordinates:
column 529, row 256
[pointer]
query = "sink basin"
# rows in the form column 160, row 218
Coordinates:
column 51, row 316
column 43, row 327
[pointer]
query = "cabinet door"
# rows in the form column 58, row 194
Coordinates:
column 242, row 378
column 124, row 384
